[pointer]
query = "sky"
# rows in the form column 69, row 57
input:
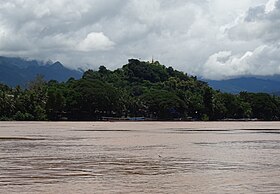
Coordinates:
column 213, row 39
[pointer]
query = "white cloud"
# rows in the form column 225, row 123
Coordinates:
column 264, row 60
column 270, row 6
column 96, row 41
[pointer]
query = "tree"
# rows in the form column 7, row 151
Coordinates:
column 139, row 88
column 37, row 92
column 55, row 104
column 208, row 102
column 164, row 105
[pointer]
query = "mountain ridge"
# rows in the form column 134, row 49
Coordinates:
column 266, row 84
column 17, row 71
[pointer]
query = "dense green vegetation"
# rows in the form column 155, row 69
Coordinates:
column 138, row 89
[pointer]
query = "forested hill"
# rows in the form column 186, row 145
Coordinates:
column 137, row 90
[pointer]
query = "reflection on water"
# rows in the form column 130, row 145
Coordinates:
column 139, row 157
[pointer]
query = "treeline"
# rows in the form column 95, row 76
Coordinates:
column 138, row 89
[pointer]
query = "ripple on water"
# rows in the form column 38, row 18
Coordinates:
column 102, row 160
column 20, row 138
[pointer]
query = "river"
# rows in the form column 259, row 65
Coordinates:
column 139, row 157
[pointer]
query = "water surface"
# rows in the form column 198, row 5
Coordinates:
column 139, row 157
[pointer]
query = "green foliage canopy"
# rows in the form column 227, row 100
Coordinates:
column 138, row 89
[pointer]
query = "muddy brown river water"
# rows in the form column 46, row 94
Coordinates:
column 140, row 157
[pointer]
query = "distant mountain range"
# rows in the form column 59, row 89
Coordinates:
column 267, row 84
column 18, row 71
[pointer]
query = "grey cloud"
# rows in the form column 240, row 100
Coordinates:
column 182, row 33
column 258, row 24
column 61, row 25
column 259, row 28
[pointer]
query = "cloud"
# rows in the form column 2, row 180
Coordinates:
column 264, row 60
column 193, row 36
column 270, row 6
column 96, row 41
column 261, row 23
column 259, row 27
